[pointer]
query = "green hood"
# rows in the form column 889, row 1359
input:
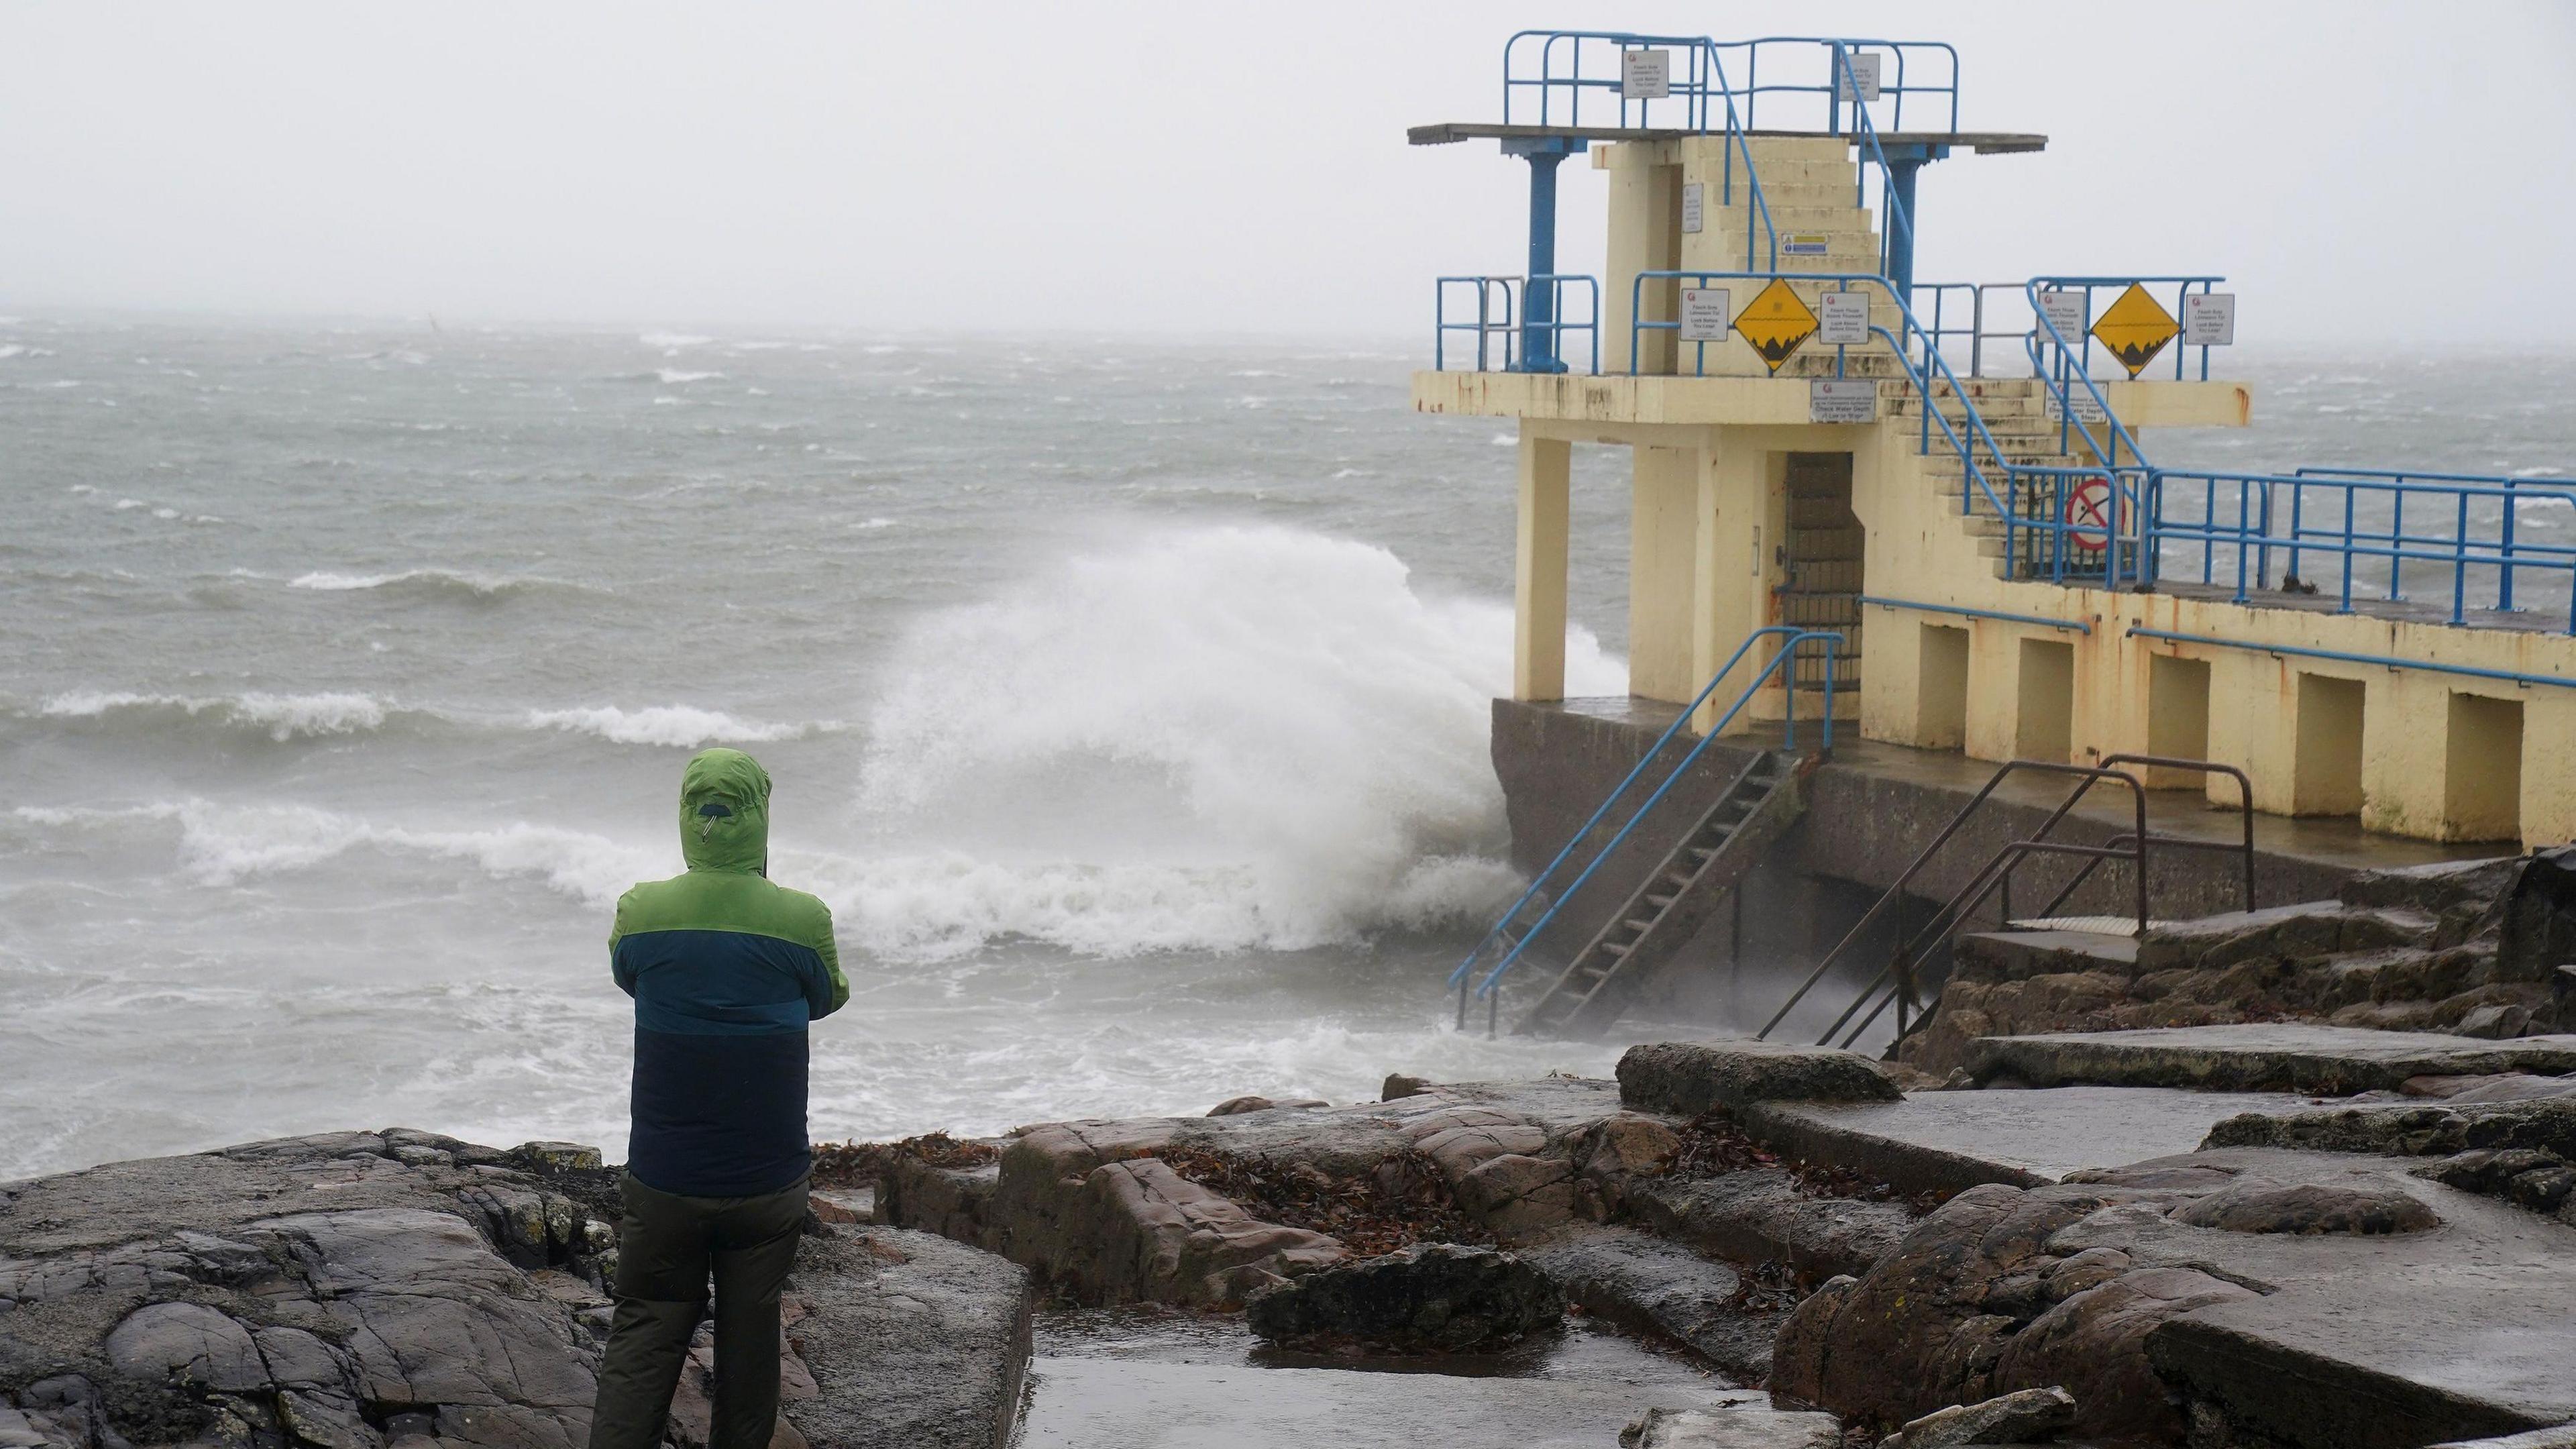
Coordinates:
column 724, row 813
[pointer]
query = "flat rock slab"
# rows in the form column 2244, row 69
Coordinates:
column 2260, row 1057
column 1084, row 1403
column 1688, row 1078
column 1951, row 1141
column 912, row 1341
column 1651, row 1285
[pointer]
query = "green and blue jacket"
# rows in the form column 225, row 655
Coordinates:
column 726, row 970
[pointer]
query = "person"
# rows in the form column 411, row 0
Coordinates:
column 726, row 970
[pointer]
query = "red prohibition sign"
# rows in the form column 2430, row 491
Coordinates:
column 2088, row 515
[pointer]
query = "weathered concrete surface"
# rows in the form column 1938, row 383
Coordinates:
column 1874, row 806
column 1090, row 1403
column 1688, row 1078
column 912, row 1340
column 360, row 1289
column 2290, row 1324
column 2278, row 1056
column 1948, row 1142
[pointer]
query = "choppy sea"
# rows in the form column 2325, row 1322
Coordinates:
column 1126, row 701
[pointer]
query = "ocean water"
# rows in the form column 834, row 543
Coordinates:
column 1126, row 701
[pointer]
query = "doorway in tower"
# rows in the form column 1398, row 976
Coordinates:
column 1820, row 575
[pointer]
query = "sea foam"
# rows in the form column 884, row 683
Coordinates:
column 1227, row 738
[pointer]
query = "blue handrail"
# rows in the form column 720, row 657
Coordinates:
column 2255, row 529
column 1497, row 318
column 1789, row 740
column 2384, row 661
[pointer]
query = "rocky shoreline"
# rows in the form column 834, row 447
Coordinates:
column 2225, row 1234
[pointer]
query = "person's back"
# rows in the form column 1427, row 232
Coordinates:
column 726, row 970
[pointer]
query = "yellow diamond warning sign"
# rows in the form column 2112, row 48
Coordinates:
column 1775, row 323
column 2135, row 328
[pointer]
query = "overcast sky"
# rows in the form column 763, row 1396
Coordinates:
column 2362, row 172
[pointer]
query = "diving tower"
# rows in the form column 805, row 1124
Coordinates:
column 1930, row 498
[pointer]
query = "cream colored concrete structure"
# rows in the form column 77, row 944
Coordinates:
column 1736, row 498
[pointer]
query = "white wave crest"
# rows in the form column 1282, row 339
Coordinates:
column 432, row 581
column 669, row 724
column 222, row 844
column 673, row 341
column 679, row 375
column 281, row 717
column 1219, row 738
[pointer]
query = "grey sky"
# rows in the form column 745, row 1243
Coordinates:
column 2361, row 171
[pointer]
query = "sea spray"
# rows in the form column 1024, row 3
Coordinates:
column 1228, row 738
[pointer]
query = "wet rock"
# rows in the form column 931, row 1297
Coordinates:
column 1761, row 1215
column 1429, row 1298
column 187, row 1343
column 1235, row 1106
column 1139, row 1231
column 1650, row 1285
column 352, row 1291
column 910, row 1340
column 1734, row 1426
column 2494, row 1021
column 1689, row 1078
column 2027, row 1416
column 2253, row 1205
column 1399, row 1086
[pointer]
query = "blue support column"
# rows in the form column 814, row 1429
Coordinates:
column 1903, row 162
column 1538, row 299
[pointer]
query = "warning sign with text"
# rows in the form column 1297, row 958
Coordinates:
column 1703, row 314
column 1645, row 75
column 2209, row 319
column 1842, row 318
column 1842, row 400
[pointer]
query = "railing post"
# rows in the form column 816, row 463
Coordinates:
column 2504, row 569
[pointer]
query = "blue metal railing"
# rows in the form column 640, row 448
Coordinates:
column 1502, row 311
column 1791, row 638
column 1562, row 88
column 1920, row 357
column 2245, row 519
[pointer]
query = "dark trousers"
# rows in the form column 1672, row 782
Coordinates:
column 667, row 1246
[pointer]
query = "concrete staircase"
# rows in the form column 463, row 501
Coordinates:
column 2015, row 411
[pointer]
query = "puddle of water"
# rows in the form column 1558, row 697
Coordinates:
column 1158, row 1379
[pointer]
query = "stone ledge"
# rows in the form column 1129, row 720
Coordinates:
column 2280, row 1056
column 1688, row 1078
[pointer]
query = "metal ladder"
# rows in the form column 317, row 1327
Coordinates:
column 1765, row 798
column 1729, row 839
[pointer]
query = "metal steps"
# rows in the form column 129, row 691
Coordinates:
column 1676, row 899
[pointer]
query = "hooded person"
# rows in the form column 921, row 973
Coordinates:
column 726, row 970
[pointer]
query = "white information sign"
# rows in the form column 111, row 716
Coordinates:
column 1645, row 75
column 2086, row 409
column 1704, row 314
column 2209, row 319
column 1842, row 399
column 1694, row 205
column 1842, row 318
column 2066, row 310
column 1862, row 81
